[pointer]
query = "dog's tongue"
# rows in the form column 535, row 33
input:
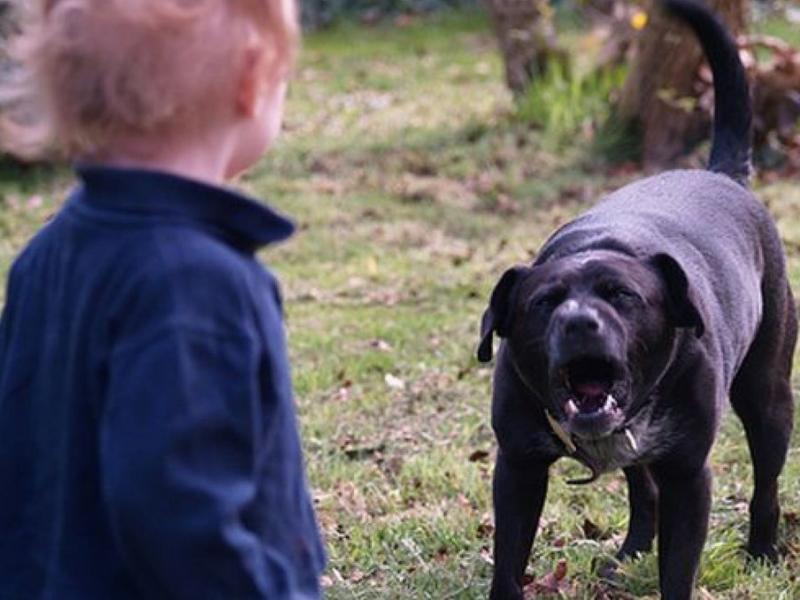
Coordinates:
column 590, row 390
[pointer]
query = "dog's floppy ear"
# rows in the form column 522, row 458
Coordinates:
column 497, row 317
column 683, row 310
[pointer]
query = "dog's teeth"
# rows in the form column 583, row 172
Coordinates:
column 611, row 403
column 571, row 408
column 631, row 440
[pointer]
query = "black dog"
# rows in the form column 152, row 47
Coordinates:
column 624, row 340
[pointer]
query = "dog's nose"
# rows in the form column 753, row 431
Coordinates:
column 581, row 324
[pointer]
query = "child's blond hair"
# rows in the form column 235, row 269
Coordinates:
column 94, row 71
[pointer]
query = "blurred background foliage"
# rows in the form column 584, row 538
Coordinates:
column 596, row 69
column 317, row 13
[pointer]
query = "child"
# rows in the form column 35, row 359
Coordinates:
column 148, row 443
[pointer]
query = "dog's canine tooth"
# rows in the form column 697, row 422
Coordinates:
column 611, row 403
column 571, row 408
column 631, row 440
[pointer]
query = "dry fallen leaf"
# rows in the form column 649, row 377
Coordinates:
column 356, row 576
column 592, row 531
column 554, row 583
column 486, row 526
column 478, row 455
column 381, row 345
column 394, row 382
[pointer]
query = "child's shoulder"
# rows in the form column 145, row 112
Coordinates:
column 187, row 261
column 155, row 250
column 174, row 228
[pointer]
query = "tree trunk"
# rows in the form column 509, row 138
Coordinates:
column 660, row 92
column 527, row 39
column 5, row 19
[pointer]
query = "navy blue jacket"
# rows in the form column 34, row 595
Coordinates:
column 148, row 439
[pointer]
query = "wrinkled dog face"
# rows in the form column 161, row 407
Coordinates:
column 590, row 334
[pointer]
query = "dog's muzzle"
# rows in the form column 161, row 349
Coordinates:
column 587, row 376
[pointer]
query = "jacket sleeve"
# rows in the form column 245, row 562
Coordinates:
column 179, row 441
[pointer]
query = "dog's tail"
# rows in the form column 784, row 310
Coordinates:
column 731, row 147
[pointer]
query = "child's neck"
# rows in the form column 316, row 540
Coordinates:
column 202, row 160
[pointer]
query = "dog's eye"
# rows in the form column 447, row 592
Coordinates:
column 549, row 300
column 618, row 293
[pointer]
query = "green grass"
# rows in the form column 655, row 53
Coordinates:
column 415, row 188
column 780, row 28
column 564, row 103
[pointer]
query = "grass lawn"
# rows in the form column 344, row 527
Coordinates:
column 415, row 189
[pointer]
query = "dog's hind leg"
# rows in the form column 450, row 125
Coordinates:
column 762, row 397
column 642, row 522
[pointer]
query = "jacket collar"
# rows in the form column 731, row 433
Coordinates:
column 247, row 222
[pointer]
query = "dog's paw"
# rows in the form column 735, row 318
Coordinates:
column 762, row 553
column 506, row 593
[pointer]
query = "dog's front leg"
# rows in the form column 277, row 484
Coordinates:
column 643, row 500
column 684, row 505
column 519, row 491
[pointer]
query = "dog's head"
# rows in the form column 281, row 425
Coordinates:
column 591, row 333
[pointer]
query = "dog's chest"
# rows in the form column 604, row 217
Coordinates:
column 607, row 454
column 641, row 444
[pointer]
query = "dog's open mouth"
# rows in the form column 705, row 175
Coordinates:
column 589, row 381
column 590, row 406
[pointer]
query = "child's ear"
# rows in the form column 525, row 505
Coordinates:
column 250, row 86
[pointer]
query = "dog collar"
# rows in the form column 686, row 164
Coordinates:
column 560, row 432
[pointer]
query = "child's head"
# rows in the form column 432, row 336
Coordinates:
column 111, row 73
